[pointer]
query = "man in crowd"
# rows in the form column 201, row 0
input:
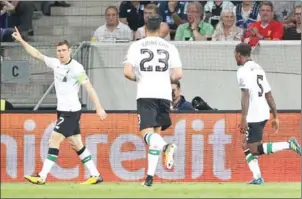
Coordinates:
column 113, row 29
column 179, row 102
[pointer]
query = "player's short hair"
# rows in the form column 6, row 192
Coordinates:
column 153, row 23
column 176, row 82
column 111, row 7
column 243, row 49
column 152, row 6
column 62, row 43
column 267, row 3
column 298, row 6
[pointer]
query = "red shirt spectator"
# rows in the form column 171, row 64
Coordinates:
column 266, row 28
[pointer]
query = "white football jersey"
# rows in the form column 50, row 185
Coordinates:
column 251, row 76
column 67, row 78
column 152, row 58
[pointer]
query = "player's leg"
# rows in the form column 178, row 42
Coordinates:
column 164, row 120
column 86, row 158
column 252, row 139
column 55, row 140
column 273, row 147
column 147, row 112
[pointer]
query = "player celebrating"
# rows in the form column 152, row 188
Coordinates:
column 151, row 59
column 68, row 76
column 256, row 102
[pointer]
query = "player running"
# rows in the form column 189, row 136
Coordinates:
column 68, row 76
column 256, row 102
column 148, row 62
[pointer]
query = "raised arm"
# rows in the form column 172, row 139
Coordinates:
column 28, row 48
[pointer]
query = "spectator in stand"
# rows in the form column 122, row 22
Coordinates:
column 150, row 10
column 247, row 12
column 22, row 18
column 294, row 33
column 132, row 13
column 179, row 102
column 173, row 13
column 213, row 9
column 226, row 29
column 5, row 9
column 266, row 28
column 196, row 29
column 113, row 29
column 283, row 12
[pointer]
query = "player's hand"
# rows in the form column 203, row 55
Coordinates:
column 16, row 35
column 243, row 127
column 101, row 113
column 275, row 125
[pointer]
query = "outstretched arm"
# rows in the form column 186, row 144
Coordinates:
column 29, row 49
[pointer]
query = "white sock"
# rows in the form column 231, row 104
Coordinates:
column 47, row 165
column 86, row 159
column 153, row 156
column 155, row 140
column 253, row 165
column 274, row 147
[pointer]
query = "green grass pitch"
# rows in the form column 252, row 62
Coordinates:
column 159, row 190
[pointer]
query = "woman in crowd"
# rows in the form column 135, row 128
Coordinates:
column 226, row 29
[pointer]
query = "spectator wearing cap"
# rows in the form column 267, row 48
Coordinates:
column 294, row 33
column 266, row 28
column 179, row 102
column 113, row 29
column 196, row 29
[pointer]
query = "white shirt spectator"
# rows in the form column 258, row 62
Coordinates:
column 121, row 32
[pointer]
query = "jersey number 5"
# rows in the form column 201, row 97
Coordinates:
column 259, row 82
column 150, row 57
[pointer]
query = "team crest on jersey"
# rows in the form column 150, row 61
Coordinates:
column 241, row 82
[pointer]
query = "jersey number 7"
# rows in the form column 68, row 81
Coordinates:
column 259, row 82
column 150, row 58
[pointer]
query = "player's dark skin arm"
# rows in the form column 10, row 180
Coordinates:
column 245, row 102
column 245, row 95
column 271, row 102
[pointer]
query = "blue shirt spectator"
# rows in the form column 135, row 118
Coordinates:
column 179, row 102
column 173, row 13
column 246, row 13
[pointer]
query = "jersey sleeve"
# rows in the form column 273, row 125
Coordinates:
column 242, row 78
column 131, row 55
column 80, row 74
column 266, row 85
column 175, row 58
column 50, row 62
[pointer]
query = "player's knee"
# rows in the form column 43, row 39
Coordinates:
column 253, row 148
column 244, row 146
column 55, row 140
column 76, row 142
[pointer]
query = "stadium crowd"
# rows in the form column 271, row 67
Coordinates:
column 249, row 21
